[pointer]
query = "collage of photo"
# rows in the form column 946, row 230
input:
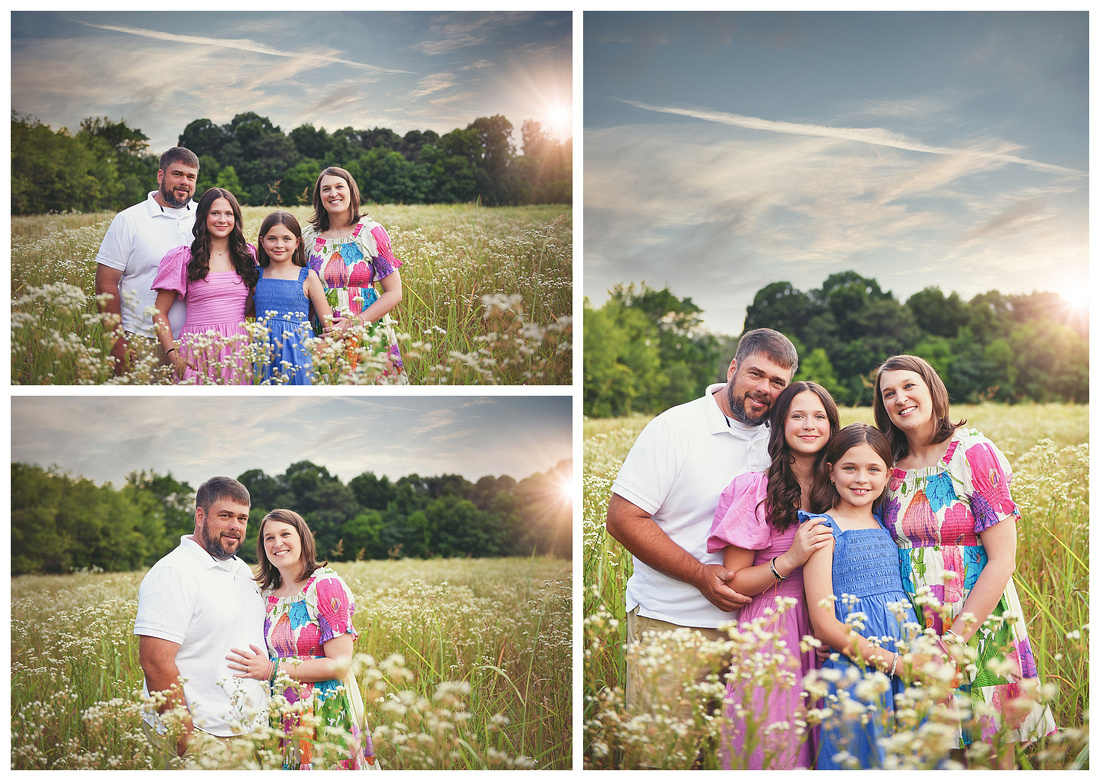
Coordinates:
column 334, row 446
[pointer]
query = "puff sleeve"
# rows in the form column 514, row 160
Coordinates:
column 981, row 475
column 172, row 272
column 334, row 606
column 739, row 519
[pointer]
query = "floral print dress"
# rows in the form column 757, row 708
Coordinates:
column 297, row 627
column 936, row 516
column 348, row 269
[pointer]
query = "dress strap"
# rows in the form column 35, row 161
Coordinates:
column 303, row 273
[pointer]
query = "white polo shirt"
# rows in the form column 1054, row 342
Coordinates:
column 676, row 472
column 134, row 244
column 207, row 606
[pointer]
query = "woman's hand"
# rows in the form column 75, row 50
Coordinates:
column 341, row 326
column 179, row 364
column 811, row 536
column 249, row 665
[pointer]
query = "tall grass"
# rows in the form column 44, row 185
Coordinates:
column 462, row 664
column 487, row 297
column 1048, row 449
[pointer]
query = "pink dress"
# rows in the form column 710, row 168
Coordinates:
column 213, row 337
column 739, row 521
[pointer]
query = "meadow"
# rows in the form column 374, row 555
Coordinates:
column 488, row 297
column 1047, row 446
column 463, row 664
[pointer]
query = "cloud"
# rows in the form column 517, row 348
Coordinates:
column 433, row 83
column 240, row 44
column 874, row 136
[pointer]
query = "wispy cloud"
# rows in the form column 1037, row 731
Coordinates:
column 240, row 44
column 874, row 136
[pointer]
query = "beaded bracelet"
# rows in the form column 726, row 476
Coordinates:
column 775, row 572
column 894, row 667
column 274, row 671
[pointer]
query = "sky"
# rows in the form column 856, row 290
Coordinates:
column 159, row 71
column 724, row 152
column 104, row 438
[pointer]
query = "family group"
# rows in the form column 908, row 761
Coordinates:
column 753, row 495
column 180, row 275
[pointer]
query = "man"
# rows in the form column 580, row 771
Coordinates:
column 130, row 254
column 663, row 500
column 194, row 605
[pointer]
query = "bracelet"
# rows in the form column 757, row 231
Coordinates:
column 775, row 572
column 957, row 639
column 274, row 670
column 894, row 667
column 170, row 349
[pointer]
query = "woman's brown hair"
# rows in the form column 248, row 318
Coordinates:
column 319, row 218
column 269, row 577
column 941, row 404
column 243, row 262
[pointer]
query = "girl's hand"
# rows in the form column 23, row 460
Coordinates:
column 811, row 536
column 249, row 665
column 341, row 326
column 913, row 664
column 179, row 364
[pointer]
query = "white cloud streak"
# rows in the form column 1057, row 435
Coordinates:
column 874, row 136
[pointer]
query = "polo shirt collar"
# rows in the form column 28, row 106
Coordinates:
column 718, row 423
column 199, row 554
column 156, row 210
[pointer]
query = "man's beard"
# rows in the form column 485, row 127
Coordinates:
column 169, row 197
column 215, row 548
column 738, row 411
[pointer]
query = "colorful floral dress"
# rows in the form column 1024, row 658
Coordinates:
column 936, row 515
column 297, row 627
column 348, row 269
column 739, row 521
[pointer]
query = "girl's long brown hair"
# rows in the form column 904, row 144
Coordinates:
column 784, row 495
column 243, row 262
column 269, row 577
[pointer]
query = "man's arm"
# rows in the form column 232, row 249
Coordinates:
column 639, row 533
column 108, row 280
column 158, row 661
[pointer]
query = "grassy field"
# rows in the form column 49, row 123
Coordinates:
column 487, row 296
column 466, row 664
column 1047, row 446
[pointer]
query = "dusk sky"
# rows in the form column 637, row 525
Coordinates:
column 724, row 152
column 159, row 71
column 105, row 438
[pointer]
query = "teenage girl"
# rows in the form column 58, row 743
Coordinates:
column 757, row 528
column 284, row 292
column 860, row 561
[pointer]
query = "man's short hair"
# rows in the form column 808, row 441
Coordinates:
column 180, row 154
column 774, row 345
column 218, row 489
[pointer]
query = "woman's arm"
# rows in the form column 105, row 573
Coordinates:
column 315, row 292
column 334, row 665
column 1000, row 547
column 391, row 297
column 165, row 299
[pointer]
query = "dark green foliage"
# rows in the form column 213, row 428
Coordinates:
column 61, row 523
column 107, row 165
column 643, row 352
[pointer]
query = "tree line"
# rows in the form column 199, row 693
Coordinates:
column 61, row 523
column 647, row 350
column 107, row 165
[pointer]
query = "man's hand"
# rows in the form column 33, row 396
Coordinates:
column 712, row 582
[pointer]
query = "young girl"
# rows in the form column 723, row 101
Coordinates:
column 311, row 641
column 756, row 525
column 860, row 561
column 284, row 292
column 215, row 275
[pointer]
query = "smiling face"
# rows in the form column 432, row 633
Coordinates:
column 908, row 403
column 220, row 219
column 754, row 384
column 806, row 429
column 279, row 243
column 335, row 197
column 220, row 530
column 176, row 185
column 283, row 546
column 859, row 476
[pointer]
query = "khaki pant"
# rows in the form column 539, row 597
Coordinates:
column 204, row 750
column 668, row 686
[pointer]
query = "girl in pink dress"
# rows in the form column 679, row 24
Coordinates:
column 216, row 276
column 756, row 525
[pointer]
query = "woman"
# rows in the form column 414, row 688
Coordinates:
column 950, row 511
column 215, row 275
column 310, row 641
column 350, row 252
column 756, row 524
